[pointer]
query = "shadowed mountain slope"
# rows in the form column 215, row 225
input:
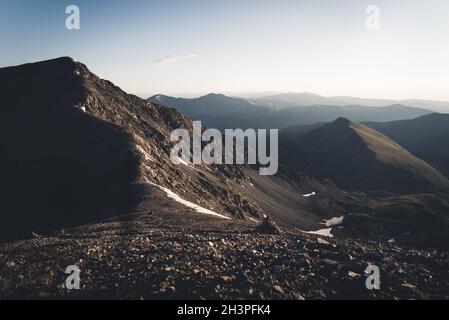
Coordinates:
column 77, row 148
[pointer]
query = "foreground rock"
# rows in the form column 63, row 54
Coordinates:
column 192, row 256
column 268, row 226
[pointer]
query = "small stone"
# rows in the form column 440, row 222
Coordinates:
column 299, row 296
column 170, row 290
column 226, row 278
column 408, row 286
column 353, row 275
column 278, row 289
column 322, row 241
column 268, row 227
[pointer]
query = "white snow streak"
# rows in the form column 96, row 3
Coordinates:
column 188, row 204
column 321, row 232
column 308, row 195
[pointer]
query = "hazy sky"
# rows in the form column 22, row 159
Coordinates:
column 187, row 46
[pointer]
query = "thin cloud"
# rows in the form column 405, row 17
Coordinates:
column 172, row 59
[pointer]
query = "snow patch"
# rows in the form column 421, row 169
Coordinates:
column 322, row 232
column 188, row 204
column 336, row 221
column 80, row 106
column 330, row 223
column 308, row 195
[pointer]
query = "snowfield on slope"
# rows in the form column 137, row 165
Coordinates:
column 186, row 203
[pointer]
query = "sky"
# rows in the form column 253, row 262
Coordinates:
column 193, row 47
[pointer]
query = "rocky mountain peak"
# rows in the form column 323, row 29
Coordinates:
column 97, row 146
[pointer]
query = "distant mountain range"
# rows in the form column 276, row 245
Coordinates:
column 288, row 100
column 221, row 112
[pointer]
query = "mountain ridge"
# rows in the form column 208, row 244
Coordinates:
column 223, row 112
column 427, row 137
column 360, row 158
column 294, row 99
column 96, row 146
